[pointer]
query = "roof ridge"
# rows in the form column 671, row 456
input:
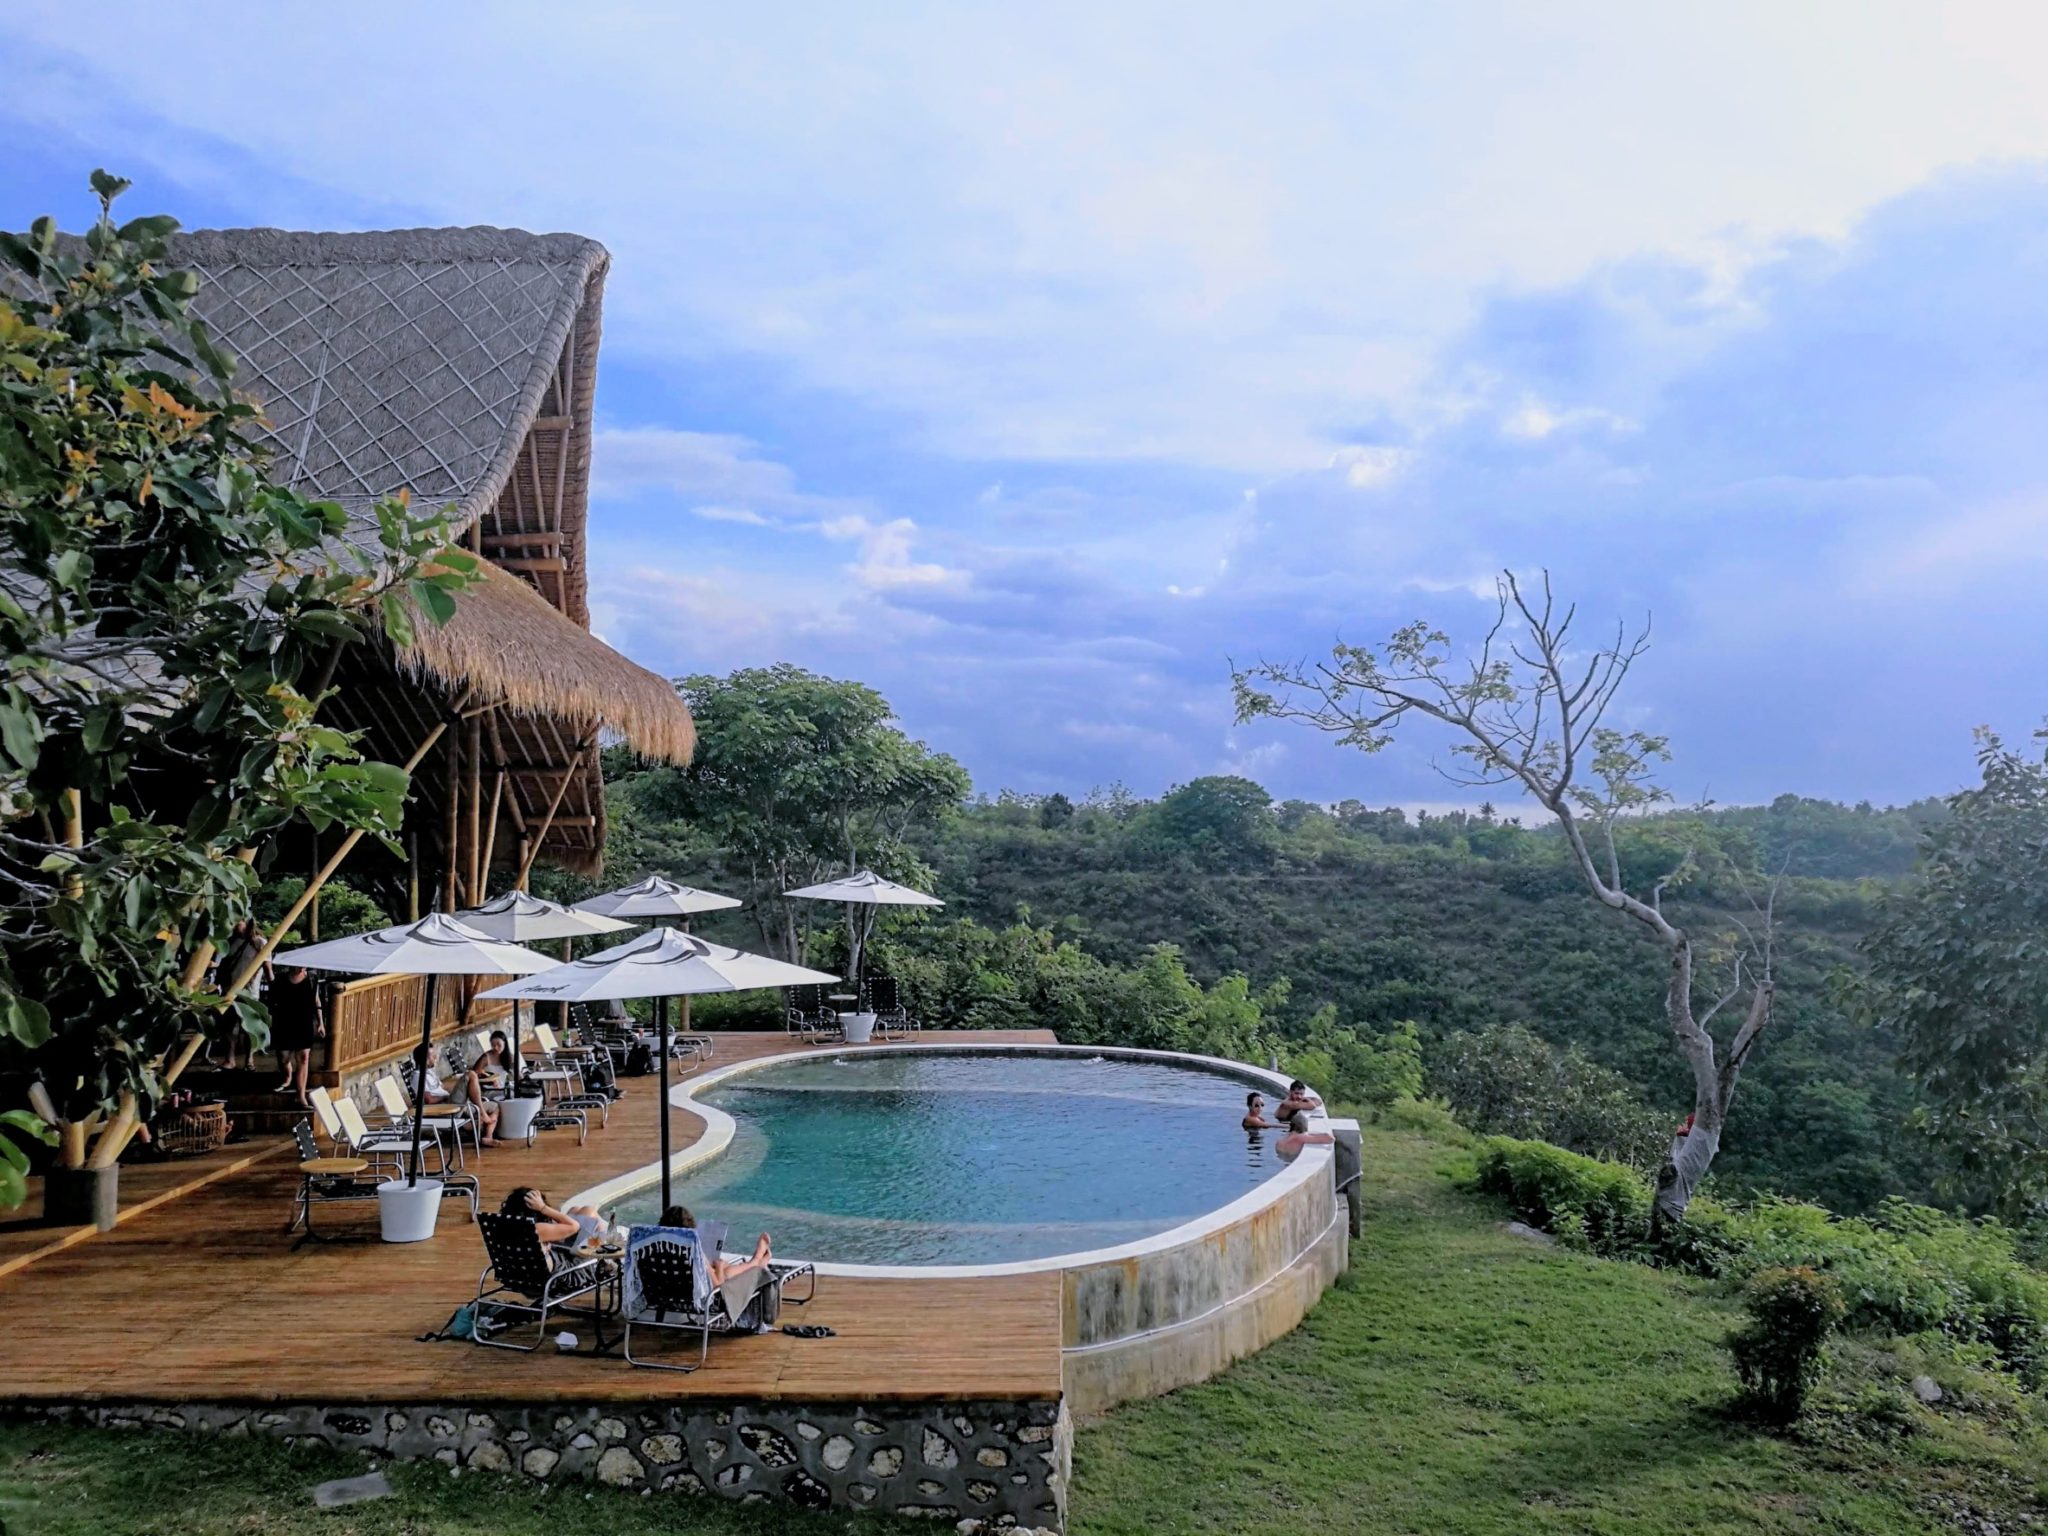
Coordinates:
column 267, row 247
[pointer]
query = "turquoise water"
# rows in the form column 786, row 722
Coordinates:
column 875, row 1158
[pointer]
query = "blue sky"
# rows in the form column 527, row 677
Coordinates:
column 1031, row 362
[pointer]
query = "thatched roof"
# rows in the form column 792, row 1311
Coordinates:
column 460, row 365
column 543, row 663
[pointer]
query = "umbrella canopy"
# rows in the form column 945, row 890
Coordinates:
column 437, row 945
column 660, row 965
column 867, row 887
column 656, row 897
column 521, row 917
column 663, row 963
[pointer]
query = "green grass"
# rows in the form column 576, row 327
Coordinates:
column 1458, row 1380
column 1461, row 1380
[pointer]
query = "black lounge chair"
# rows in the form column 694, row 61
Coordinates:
column 529, row 1284
column 669, row 1285
column 892, row 1019
column 322, row 1177
column 810, row 1014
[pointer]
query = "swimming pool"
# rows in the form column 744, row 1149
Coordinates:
column 915, row 1157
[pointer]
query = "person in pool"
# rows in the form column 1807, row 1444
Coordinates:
column 1299, row 1100
column 1299, row 1136
column 1255, row 1114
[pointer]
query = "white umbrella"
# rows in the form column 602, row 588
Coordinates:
column 525, row 918
column 866, row 889
column 655, row 897
column 434, row 946
column 661, row 965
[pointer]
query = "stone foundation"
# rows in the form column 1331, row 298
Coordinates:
column 1004, row 1465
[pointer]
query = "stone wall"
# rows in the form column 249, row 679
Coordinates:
column 976, row 1466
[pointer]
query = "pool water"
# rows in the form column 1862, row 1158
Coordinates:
column 878, row 1158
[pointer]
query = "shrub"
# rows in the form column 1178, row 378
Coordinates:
column 1603, row 1205
column 1781, row 1352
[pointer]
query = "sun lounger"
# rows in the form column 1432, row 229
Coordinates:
column 666, row 1283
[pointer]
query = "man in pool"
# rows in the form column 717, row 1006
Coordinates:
column 1255, row 1114
column 1299, row 1136
column 1300, row 1100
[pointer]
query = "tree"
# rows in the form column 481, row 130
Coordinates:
column 1219, row 819
column 1527, row 709
column 799, row 778
column 166, row 617
column 1959, row 974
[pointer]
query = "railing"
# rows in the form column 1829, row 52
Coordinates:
column 377, row 1018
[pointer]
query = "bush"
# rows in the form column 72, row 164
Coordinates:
column 1781, row 1352
column 1602, row 1206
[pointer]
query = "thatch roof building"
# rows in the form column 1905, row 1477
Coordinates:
column 461, row 365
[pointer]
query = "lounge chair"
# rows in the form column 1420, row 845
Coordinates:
column 325, row 1178
column 666, row 1283
column 454, row 1186
column 570, row 1061
column 531, row 1282
column 398, row 1117
column 810, row 1014
column 459, row 1116
column 892, row 1019
column 382, row 1147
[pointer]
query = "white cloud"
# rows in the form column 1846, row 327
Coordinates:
column 885, row 560
column 1367, row 466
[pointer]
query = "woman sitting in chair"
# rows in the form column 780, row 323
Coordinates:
column 469, row 1090
column 571, row 1228
column 738, row 1278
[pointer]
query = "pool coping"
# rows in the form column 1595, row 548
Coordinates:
column 719, row 1128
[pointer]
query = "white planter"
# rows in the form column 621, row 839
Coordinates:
column 859, row 1027
column 515, row 1118
column 408, row 1212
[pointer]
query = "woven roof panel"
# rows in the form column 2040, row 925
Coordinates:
column 410, row 359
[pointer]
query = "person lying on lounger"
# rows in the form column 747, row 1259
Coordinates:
column 740, row 1279
column 573, row 1227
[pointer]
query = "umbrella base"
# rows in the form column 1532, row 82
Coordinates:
column 859, row 1028
column 407, row 1212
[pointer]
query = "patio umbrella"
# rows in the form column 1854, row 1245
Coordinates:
column 864, row 890
column 523, row 918
column 433, row 947
column 654, row 898
column 661, row 965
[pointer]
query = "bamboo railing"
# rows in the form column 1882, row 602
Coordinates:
column 376, row 1019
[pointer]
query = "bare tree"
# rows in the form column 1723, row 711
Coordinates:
column 1527, row 709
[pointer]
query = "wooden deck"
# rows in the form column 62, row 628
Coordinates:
column 201, row 1298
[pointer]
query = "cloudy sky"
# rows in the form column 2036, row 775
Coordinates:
column 1031, row 362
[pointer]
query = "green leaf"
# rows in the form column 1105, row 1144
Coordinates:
column 397, row 621
column 437, row 604
column 26, row 1020
column 109, row 186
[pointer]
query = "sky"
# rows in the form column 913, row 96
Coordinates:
column 1032, row 364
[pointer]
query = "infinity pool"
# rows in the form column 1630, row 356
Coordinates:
column 876, row 1158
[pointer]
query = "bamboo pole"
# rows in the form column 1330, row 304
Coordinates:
column 451, row 825
column 491, row 834
column 74, row 837
column 554, row 805
column 473, row 753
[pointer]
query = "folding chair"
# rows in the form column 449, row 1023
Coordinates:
column 324, row 1178
column 454, row 1186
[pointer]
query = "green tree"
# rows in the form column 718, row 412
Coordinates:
column 1217, row 820
column 165, row 611
column 1959, row 975
column 799, row 778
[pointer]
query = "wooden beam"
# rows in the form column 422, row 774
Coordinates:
column 546, row 540
column 491, row 835
column 451, row 824
column 531, row 563
column 553, row 423
column 554, row 805
column 473, row 752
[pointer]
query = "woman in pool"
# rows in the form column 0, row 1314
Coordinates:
column 1255, row 1114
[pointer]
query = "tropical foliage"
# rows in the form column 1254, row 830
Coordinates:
column 166, row 613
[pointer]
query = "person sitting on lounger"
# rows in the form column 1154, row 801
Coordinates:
column 572, row 1228
column 739, row 1279
column 469, row 1090
column 1255, row 1114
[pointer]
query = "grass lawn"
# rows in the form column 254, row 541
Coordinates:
column 1459, row 1380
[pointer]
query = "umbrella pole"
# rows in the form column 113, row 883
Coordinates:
column 419, row 1078
column 661, row 1032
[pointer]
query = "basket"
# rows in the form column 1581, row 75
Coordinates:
column 198, row 1128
